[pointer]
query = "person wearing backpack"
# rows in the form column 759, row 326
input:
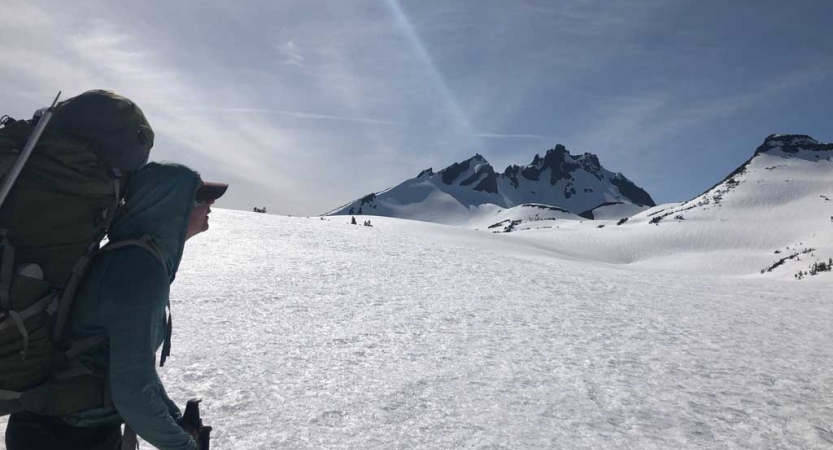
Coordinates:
column 122, row 304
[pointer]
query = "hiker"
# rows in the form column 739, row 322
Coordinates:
column 123, row 299
column 353, row 221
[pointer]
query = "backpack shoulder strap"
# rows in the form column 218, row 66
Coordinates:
column 81, row 346
column 70, row 287
column 146, row 242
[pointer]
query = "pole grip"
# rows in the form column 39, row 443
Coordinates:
column 192, row 422
column 205, row 438
column 192, row 418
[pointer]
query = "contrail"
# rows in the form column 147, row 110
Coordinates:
column 510, row 136
column 306, row 115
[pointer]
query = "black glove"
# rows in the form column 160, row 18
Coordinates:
column 192, row 423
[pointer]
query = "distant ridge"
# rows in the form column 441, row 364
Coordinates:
column 466, row 189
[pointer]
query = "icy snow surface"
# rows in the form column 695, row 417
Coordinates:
column 303, row 333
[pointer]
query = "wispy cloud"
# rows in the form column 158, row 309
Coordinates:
column 102, row 57
column 291, row 53
column 301, row 115
column 510, row 136
column 290, row 95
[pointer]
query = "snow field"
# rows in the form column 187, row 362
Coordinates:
column 302, row 333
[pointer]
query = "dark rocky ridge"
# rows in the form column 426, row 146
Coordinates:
column 450, row 173
column 792, row 143
column 635, row 193
column 487, row 184
column 558, row 161
column 561, row 165
column 589, row 213
column 367, row 200
column 426, row 173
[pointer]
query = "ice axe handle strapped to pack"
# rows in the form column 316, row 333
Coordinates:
column 8, row 182
column 192, row 423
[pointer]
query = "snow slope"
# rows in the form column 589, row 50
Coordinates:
column 470, row 190
column 613, row 211
column 542, row 216
column 309, row 333
column 410, row 335
column 778, row 205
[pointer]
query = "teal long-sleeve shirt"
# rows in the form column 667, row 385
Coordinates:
column 123, row 299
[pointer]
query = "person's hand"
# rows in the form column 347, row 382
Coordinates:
column 192, row 424
column 201, row 435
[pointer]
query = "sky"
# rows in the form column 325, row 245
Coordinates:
column 305, row 105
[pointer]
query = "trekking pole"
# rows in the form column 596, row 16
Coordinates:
column 192, row 422
column 27, row 151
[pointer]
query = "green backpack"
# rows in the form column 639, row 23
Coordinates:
column 51, row 224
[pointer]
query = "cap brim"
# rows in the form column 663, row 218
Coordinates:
column 211, row 191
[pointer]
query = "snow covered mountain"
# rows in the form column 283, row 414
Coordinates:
column 470, row 190
column 783, row 170
column 772, row 216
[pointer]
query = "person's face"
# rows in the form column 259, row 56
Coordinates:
column 198, row 221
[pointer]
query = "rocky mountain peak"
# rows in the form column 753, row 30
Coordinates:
column 590, row 161
column 478, row 159
column 426, row 173
column 792, row 143
column 483, row 173
column 556, row 178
